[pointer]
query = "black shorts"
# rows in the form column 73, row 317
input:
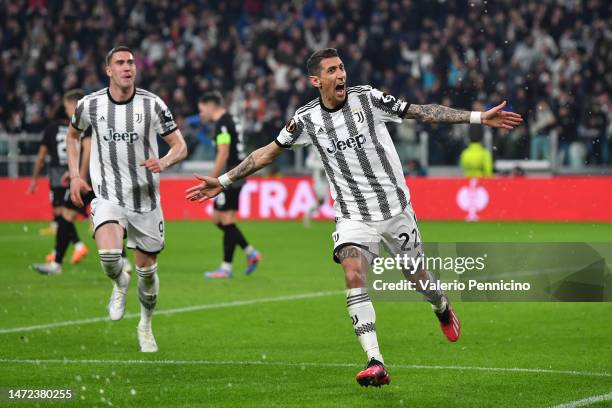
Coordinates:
column 87, row 199
column 228, row 200
column 60, row 197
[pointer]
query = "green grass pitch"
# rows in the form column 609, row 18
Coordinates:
column 282, row 337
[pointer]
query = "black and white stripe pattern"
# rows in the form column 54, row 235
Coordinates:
column 147, row 148
column 114, row 162
column 93, row 114
column 131, row 155
column 125, row 135
column 380, row 150
column 357, row 299
column 344, row 168
column 354, row 145
column 365, row 164
column 328, row 169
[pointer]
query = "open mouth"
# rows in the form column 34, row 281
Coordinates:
column 340, row 89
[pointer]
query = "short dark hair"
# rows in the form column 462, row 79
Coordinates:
column 314, row 62
column 211, row 96
column 74, row 95
column 119, row 48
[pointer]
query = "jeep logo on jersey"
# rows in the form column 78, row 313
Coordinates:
column 112, row 136
column 356, row 142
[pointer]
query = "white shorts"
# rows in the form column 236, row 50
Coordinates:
column 145, row 231
column 399, row 234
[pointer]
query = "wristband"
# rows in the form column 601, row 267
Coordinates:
column 225, row 180
column 476, row 117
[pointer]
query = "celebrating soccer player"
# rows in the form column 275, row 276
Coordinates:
column 372, row 202
column 230, row 151
column 124, row 171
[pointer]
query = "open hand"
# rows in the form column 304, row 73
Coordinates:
column 498, row 118
column 208, row 188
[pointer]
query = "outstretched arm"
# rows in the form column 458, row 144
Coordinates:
column 495, row 117
column 211, row 186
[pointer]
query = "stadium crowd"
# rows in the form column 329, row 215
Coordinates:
column 552, row 60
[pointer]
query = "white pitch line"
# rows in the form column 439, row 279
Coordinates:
column 586, row 401
column 290, row 364
column 186, row 309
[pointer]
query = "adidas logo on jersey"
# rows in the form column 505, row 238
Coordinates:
column 356, row 142
column 112, row 136
column 320, row 131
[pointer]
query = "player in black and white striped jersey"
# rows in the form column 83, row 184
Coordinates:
column 372, row 202
column 124, row 171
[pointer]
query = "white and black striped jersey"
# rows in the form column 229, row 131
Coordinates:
column 362, row 166
column 124, row 135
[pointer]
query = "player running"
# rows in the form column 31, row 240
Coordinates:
column 372, row 202
column 54, row 144
column 230, row 151
column 124, row 171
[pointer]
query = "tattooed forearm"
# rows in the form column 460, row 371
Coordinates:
column 245, row 168
column 437, row 114
column 257, row 160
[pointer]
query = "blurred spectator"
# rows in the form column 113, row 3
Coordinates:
column 414, row 168
column 475, row 160
column 540, row 127
column 425, row 51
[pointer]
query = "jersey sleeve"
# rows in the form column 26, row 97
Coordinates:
column 163, row 121
column 294, row 134
column 86, row 133
column 80, row 120
column 223, row 136
column 387, row 107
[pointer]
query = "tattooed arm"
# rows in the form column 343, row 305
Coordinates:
column 495, row 117
column 211, row 187
column 437, row 114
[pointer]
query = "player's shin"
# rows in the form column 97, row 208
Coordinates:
column 435, row 297
column 148, row 289
column 363, row 317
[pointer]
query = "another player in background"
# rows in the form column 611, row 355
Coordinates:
column 54, row 144
column 372, row 202
column 124, row 172
column 230, row 152
column 320, row 185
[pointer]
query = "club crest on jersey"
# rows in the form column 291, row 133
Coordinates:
column 112, row 136
column 139, row 117
column 356, row 142
column 359, row 117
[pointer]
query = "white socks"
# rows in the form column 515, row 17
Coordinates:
column 111, row 262
column 148, row 289
column 361, row 312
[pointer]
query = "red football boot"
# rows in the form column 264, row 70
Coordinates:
column 449, row 323
column 375, row 374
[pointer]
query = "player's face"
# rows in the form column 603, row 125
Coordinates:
column 122, row 69
column 332, row 80
column 205, row 110
column 70, row 107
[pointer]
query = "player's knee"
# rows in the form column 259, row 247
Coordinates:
column 111, row 262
